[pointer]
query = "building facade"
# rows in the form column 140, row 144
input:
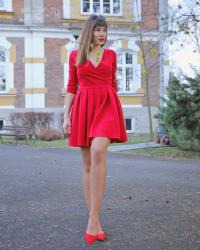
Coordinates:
column 36, row 38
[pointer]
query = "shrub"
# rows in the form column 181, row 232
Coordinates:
column 34, row 121
column 60, row 124
column 49, row 134
column 181, row 115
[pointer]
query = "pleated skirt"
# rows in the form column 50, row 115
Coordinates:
column 96, row 112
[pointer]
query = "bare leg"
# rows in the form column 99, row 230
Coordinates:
column 97, row 180
column 85, row 151
column 86, row 155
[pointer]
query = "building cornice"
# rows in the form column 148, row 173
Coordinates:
column 81, row 20
column 33, row 28
column 68, row 31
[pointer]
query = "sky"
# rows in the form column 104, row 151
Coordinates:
column 182, row 58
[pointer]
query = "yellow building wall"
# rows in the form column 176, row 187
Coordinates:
column 7, row 100
column 12, row 54
column 35, row 90
column 12, row 91
column 6, row 15
column 130, row 100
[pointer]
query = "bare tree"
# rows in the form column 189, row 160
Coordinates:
column 151, row 52
column 185, row 23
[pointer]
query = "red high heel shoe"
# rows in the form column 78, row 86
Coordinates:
column 101, row 236
column 90, row 238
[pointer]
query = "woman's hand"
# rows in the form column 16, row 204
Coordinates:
column 67, row 125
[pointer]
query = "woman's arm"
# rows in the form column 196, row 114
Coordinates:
column 70, row 91
column 68, row 103
column 114, row 69
column 72, row 79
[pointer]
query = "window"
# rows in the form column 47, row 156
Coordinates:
column 125, row 72
column 1, row 124
column 129, row 78
column 107, row 7
column 86, row 6
column 2, row 4
column 130, row 124
column 3, row 70
column 6, row 66
column 116, row 6
column 137, row 8
column 6, row 5
column 96, row 6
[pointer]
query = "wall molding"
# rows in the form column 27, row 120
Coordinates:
column 34, row 60
column 35, row 90
column 6, row 14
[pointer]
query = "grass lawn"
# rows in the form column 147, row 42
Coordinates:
column 163, row 153
column 40, row 143
column 63, row 143
column 170, row 153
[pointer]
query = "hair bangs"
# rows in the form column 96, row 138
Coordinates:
column 100, row 21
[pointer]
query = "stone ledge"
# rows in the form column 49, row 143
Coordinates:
column 135, row 146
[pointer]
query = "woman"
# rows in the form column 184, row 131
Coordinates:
column 93, row 114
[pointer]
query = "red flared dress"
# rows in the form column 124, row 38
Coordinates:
column 96, row 109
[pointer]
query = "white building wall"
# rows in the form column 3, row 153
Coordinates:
column 34, row 72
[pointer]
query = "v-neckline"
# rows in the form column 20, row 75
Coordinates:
column 95, row 67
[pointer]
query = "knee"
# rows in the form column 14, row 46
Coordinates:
column 87, row 165
column 87, row 168
column 97, row 153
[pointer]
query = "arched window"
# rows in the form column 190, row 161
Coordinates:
column 3, row 69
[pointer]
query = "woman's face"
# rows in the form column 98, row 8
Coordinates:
column 99, row 35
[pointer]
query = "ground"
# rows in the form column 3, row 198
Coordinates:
column 149, row 204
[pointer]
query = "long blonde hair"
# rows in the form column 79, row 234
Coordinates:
column 86, row 36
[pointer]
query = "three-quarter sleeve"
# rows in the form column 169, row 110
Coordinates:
column 72, row 74
column 114, row 69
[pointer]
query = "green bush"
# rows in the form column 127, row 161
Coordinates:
column 181, row 114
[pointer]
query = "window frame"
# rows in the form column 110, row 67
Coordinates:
column 1, row 122
column 101, row 8
column 132, row 130
column 6, row 64
column 124, row 66
column 5, row 45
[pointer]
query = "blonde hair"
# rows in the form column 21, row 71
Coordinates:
column 85, row 38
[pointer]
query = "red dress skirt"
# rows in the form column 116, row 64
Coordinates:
column 96, row 109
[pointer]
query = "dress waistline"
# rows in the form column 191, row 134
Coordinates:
column 96, row 86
